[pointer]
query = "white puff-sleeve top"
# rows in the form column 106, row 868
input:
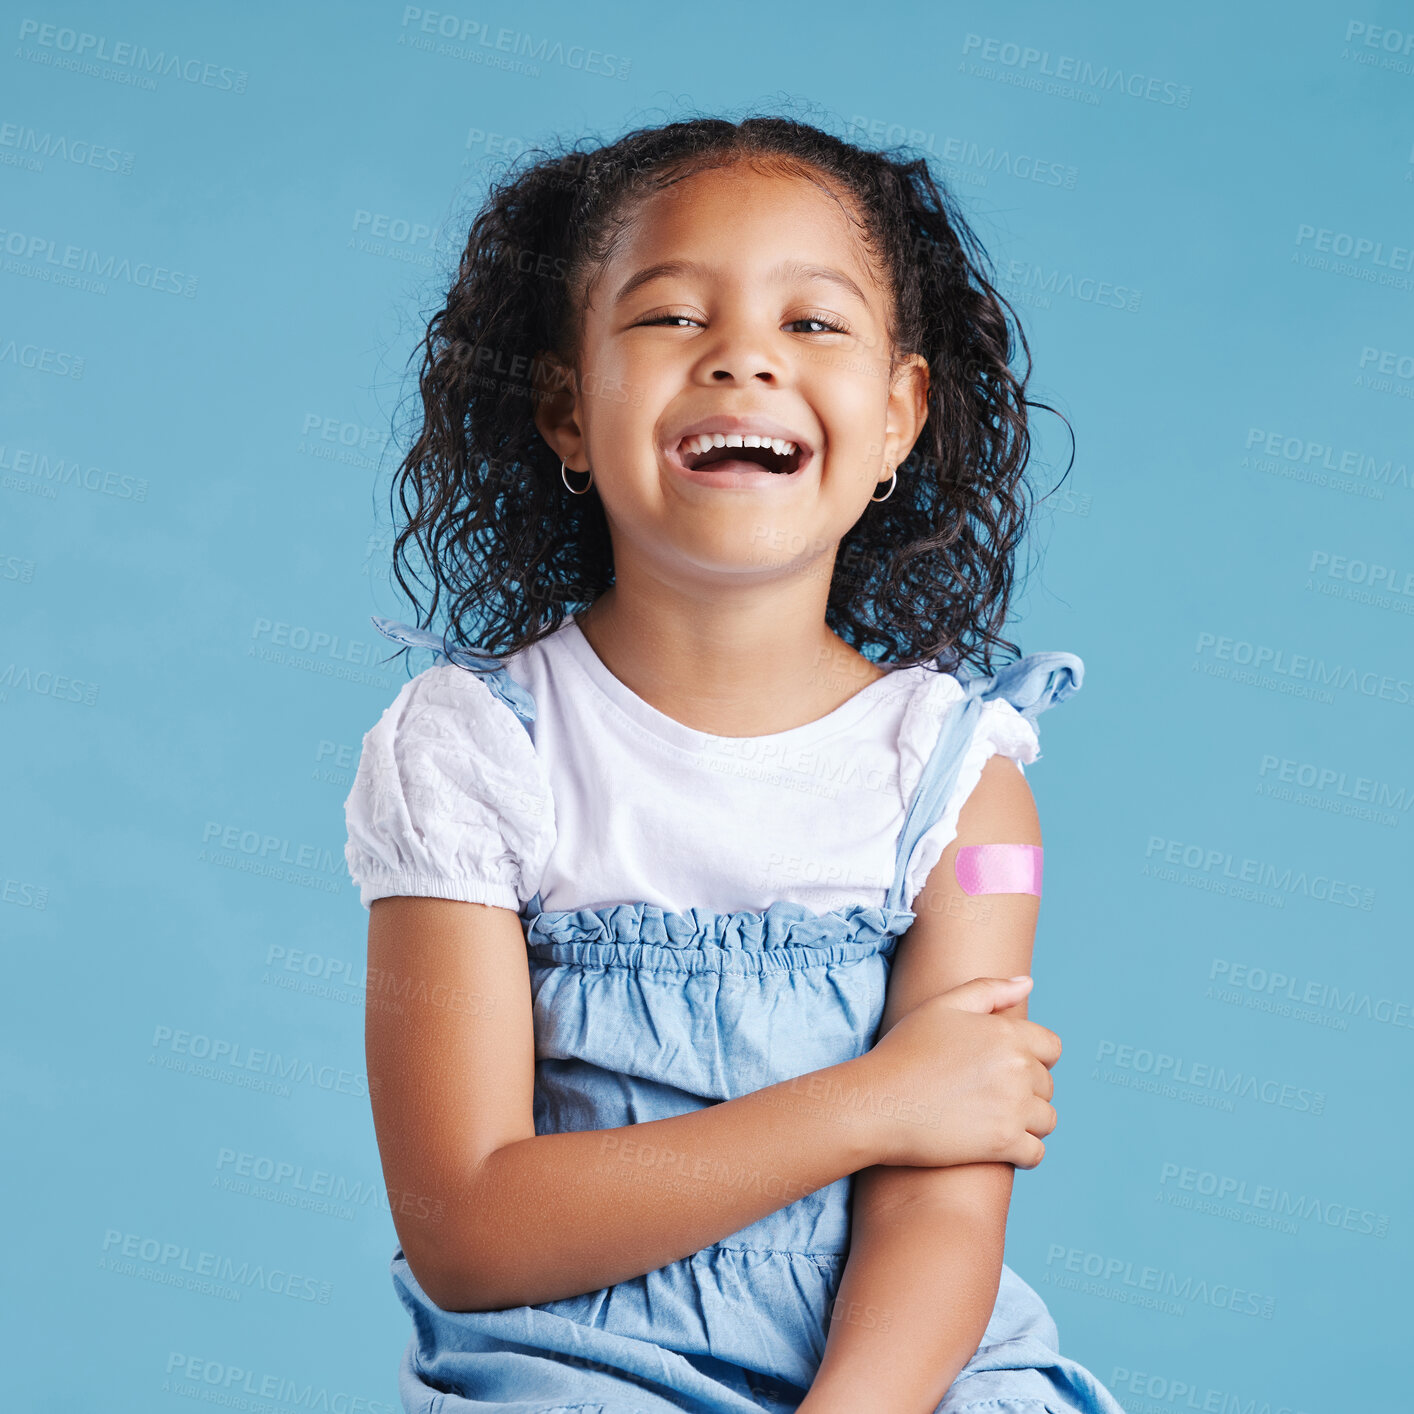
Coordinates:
column 450, row 799
column 1000, row 730
column 607, row 801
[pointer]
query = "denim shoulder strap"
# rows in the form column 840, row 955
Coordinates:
column 485, row 665
column 1031, row 685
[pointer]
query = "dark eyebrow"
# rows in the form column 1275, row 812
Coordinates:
column 657, row 272
column 786, row 270
column 795, row 270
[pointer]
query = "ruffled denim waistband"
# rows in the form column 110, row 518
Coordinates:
column 784, row 937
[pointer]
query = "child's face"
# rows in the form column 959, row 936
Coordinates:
column 736, row 336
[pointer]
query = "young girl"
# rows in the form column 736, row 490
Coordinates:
column 698, row 937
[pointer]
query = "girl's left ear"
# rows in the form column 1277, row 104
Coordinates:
column 908, row 408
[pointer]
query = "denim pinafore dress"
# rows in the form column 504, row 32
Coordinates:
column 641, row 1013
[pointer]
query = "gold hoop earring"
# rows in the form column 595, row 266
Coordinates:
column 565, row 478
column 893, row 481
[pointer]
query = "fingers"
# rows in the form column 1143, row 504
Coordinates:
column 1043, row 1043
column 1042, row 1081
column 988, row 994
column 1040, row 1118
column 1026, row 1148
column 1029, row 1152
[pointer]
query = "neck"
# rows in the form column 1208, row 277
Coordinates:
column 748, row 663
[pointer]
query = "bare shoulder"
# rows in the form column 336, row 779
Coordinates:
column 1001, row 808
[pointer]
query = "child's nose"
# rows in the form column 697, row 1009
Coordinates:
column 741, row 352
column 725, row 375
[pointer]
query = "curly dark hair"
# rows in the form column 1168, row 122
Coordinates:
column 924, row 576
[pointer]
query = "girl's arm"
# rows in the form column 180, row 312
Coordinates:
column 490, row 1214
column 926, row 1245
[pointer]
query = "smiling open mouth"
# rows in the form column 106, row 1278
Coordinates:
column 770, row 454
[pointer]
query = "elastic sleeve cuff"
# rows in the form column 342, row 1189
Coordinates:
column 385, row 884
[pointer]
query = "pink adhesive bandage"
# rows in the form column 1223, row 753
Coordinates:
column 999, row 869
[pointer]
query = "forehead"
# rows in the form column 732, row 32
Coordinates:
column 740, row 222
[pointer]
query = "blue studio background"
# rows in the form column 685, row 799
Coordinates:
column 223, row 230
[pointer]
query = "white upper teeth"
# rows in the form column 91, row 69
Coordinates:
column 707, row 440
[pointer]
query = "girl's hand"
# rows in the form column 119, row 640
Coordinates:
column 952, row 1084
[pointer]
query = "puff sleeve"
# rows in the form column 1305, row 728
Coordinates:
column 1000, row 729
column 450, row 799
